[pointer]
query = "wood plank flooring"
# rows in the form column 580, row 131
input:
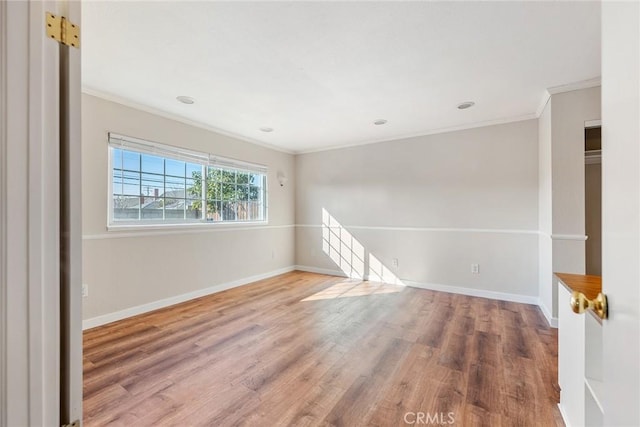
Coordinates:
column 305, row 349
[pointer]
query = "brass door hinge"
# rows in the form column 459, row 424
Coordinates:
column 62, row 30
column 76, row 423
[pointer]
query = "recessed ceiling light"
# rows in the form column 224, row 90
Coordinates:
column 266, row 129
column 186, row 99
column 379, row 122
column 466, row 105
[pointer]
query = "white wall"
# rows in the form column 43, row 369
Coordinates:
column 561, row 178
column 133, row 268
column 570, row 111
column 437, row 203
column 545, row 214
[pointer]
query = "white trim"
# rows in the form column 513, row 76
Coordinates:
column 144, row 308
column 171, row 116
column 174, row 152
column 169, row 229
column 428, row 229
column 546, row 96
column 3, row 226
column 317, row 270
column 435, row 131
column 583, row 84
column 579, row 237
column 129, row 231
column 553, row 321
column 588, row 124
column 564, row 416
column 481, row 293
column 544, row 100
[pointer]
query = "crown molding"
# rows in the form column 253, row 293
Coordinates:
column 436, row 131
column 583, row 84
column 544, row 100
column 176, row 117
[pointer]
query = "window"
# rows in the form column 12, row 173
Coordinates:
column 153, row 183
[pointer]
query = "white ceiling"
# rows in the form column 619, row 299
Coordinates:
column 320, row 73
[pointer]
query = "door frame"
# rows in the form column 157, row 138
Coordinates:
column 30, row 274
column 3, row 240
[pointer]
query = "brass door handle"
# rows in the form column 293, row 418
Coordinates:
column 580, row 303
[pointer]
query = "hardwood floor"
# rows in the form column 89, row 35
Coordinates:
column 307, row 349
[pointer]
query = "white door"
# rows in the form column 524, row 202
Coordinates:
column 621, row 211
column 39, row 263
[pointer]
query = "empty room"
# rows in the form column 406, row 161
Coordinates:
column 320, row 213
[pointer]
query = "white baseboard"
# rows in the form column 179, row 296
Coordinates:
column 553, row 321
column 144, row 308
column 564, row 416
column 481, row 293
column 503, row 296
column 320, row 270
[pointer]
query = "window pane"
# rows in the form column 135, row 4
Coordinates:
column 256, row 211
column 173, row 208
column 151, row 208
column 214, row 211
column 194, row 210
column 131, row 160
column 242, row 211
column 254, row 193
column 131, row 183
column 154, row 188
column 116, row 158
column 116, row 181
column 228, row 211
column 174, row 187
column 255, row 179
column 152, row 185
column 228, row 191
column 192, row 169
column 194, row 189
column 242, row 192
column 125, row 207
column 243, row 178
column 152, row 164
column 228, row 176
column 174, row 167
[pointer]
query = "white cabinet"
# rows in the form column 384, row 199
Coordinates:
column 579, row 364
column 571, row 360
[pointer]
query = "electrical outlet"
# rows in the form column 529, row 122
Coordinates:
column 475, row 268
column 85, row 290
column 273, row 253
column 394, row 262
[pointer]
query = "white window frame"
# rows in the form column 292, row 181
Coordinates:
column 206, row 160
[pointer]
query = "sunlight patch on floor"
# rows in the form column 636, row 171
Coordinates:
column 355, row 288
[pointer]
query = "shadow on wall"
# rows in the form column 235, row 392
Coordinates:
column 350, row 255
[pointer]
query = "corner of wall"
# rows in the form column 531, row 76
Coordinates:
column 553, row 321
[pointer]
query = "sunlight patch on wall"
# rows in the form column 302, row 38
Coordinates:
column 345, row 251
column 350, row 255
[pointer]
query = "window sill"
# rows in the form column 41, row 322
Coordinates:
column 186, row 226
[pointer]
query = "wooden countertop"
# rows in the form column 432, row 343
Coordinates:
column 590, row 286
